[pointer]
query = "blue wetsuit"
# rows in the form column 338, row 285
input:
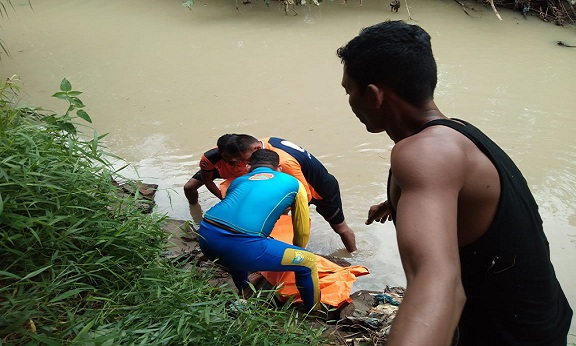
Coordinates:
column 234, row 232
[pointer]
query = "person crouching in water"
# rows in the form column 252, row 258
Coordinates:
column 234, row 233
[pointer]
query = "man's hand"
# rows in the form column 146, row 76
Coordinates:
column 379, row 213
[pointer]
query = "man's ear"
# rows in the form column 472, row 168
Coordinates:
column 248, row 167
column 279, row 169
column 375, row 95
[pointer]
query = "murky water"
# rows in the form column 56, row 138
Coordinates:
column 166, row 82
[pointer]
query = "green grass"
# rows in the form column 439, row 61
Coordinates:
column 81, row 264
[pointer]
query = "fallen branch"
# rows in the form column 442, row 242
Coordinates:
column 463, row 7
column 495, row 10
column 560, row 43
column 408, row 10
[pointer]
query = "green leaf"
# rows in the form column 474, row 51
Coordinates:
column 61, row 95
column 67, row 294
column 68, row 127
column 86, row 328
column 76, row 102
column 36, row 272
column 82, row 114
column 8, row 274
column 65, row 85
column 50, row 120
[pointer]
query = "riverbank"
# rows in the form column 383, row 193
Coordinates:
column 171, row 81
column 559, row 12
column 366, row 318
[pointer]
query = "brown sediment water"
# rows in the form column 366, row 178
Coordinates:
column 165, row 82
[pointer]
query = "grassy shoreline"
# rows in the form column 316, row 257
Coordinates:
column 81, row 264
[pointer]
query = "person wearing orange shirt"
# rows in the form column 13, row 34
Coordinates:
column 214, row 166
column 322, row 187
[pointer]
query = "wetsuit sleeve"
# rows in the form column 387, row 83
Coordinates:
column 301, row 218
column 293, row 168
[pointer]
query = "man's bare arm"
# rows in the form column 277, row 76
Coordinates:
column 426, row 226
column 207, row 179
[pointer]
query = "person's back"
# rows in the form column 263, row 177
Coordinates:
column 255, row 201
column 322, row 188
column 314, row 173
column 235, row 231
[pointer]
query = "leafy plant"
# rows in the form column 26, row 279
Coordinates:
column 66, row 237
column 81, row 264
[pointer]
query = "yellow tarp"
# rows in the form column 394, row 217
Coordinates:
column 335, row 281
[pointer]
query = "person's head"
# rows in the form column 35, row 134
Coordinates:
column 222, row 145
column 264, row 158
column 222, row 141
column 240, row 147
column 395, row 55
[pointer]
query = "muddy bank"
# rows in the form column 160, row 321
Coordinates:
column 559, row 12
column 367, row 318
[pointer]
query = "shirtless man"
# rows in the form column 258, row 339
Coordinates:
column 470, row 237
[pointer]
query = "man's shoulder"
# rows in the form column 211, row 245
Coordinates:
column 212, row 155
column 440, row 152
column 432, row 141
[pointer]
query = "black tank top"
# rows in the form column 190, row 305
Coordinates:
column 513, row 296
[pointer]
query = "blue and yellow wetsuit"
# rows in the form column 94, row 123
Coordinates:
column 234, row 232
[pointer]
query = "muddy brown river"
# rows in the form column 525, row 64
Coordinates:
column 165, row 82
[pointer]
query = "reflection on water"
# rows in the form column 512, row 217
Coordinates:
column 166, row 82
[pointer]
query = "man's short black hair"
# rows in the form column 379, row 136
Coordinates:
column 223, row 141
column 264, row 157
column 394, row 54
column 237, row 144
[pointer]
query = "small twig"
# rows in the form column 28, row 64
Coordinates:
column 463, row 7
column 408, row 10
column 566, row 12
column 560, row 43
column 356, row 341
column 495, row 10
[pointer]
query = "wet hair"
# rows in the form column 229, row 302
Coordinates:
column 264, row 157
column 236, row 144
column 394, row 54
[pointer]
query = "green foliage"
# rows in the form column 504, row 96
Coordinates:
column 65, row 235
column 81, row 264
column 176, row 308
